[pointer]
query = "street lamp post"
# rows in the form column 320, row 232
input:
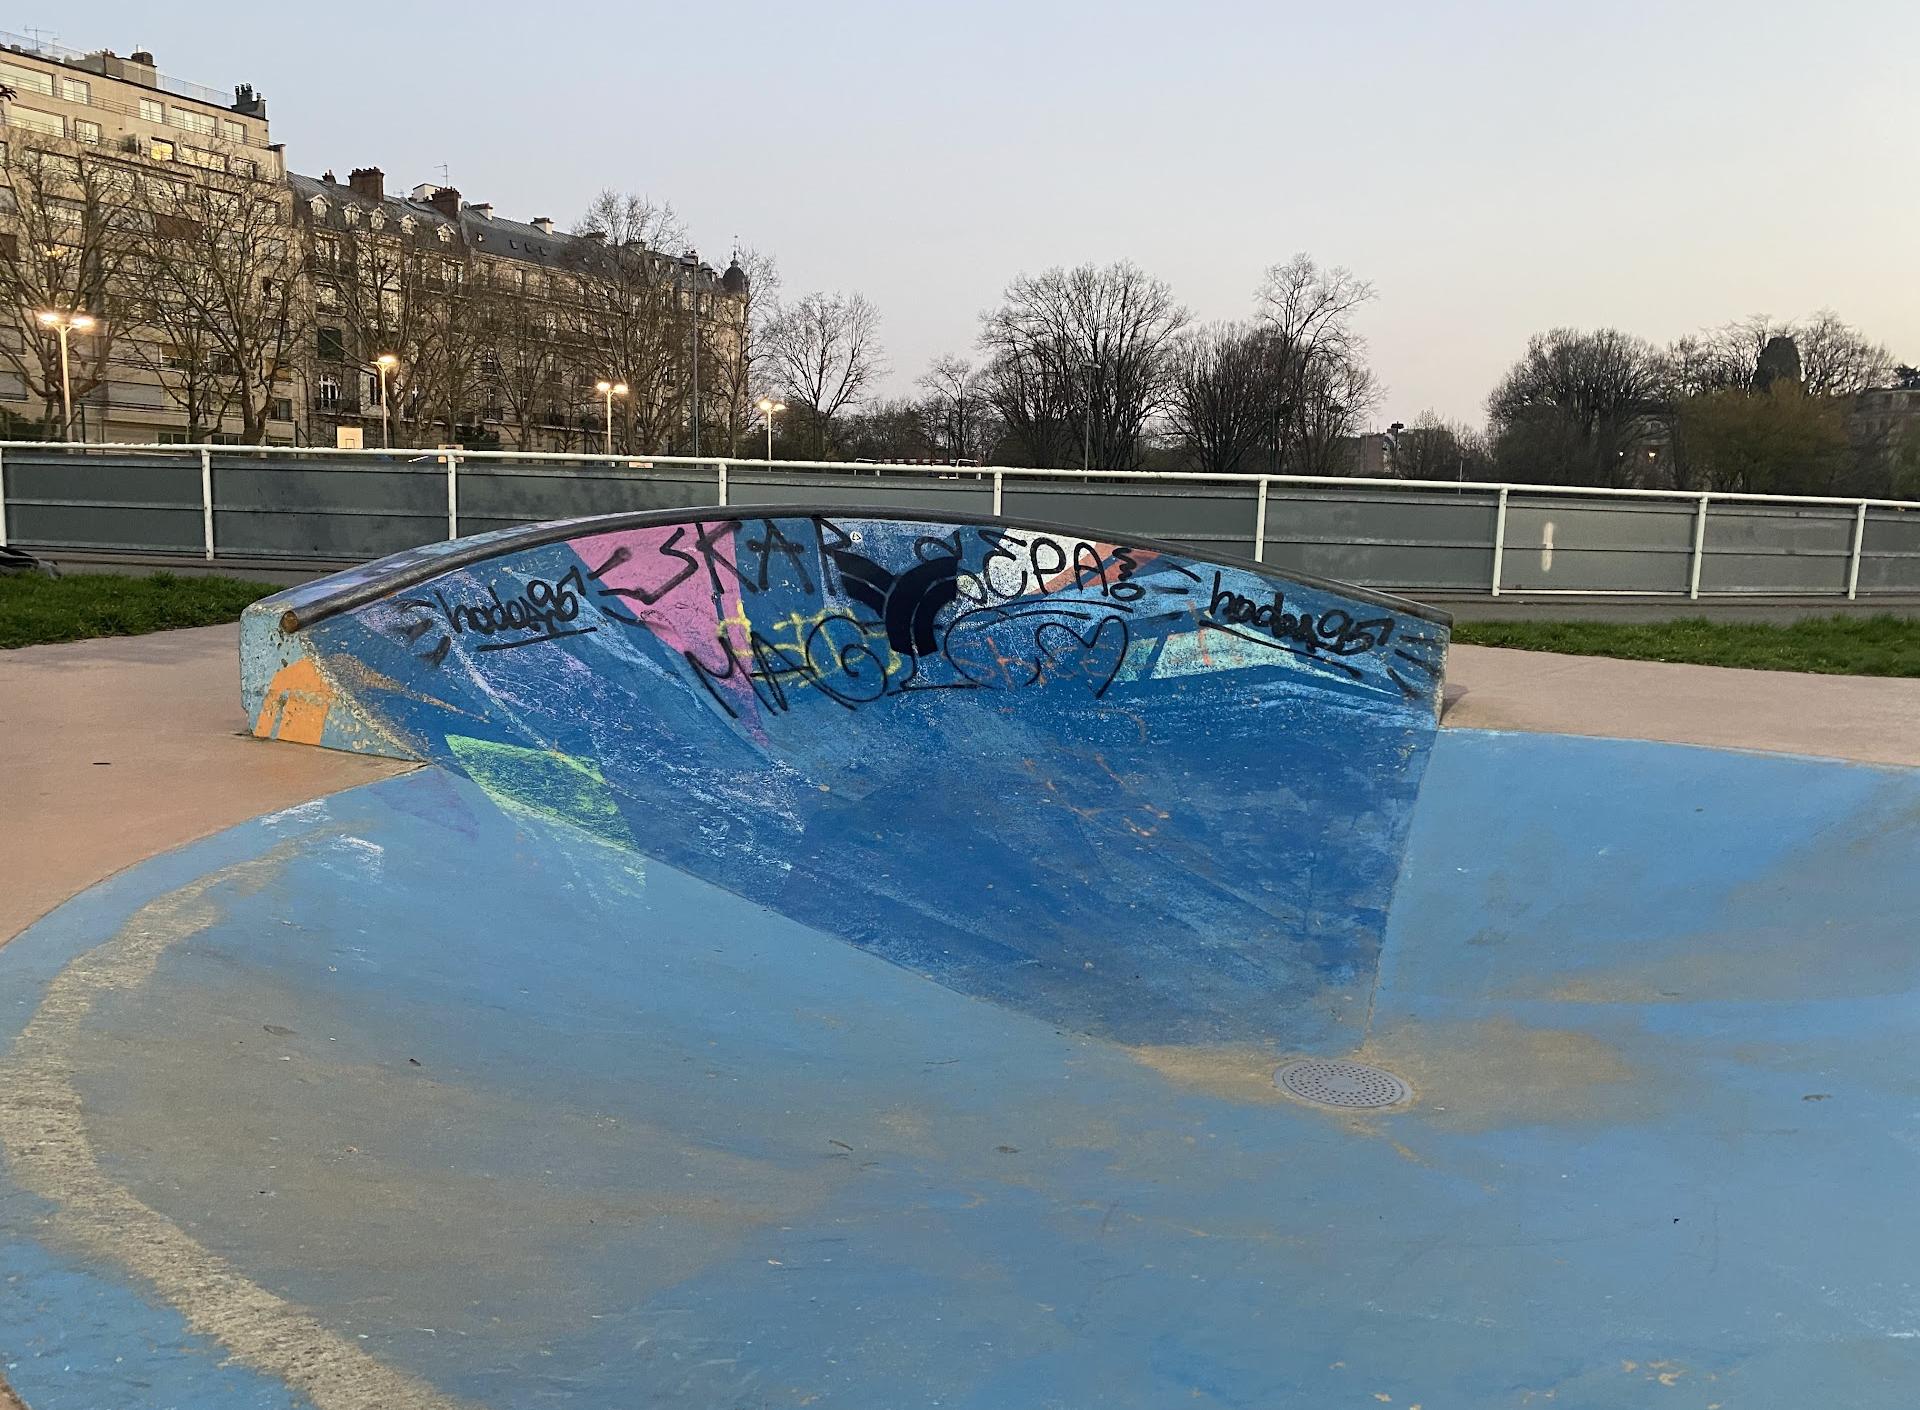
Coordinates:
column 384, row 364
column 65, row 325
column 768, row 410
column 610, row 390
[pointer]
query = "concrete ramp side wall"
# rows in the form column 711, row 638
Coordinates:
column 1144, row 793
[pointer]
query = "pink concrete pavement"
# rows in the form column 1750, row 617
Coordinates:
column 112, row 751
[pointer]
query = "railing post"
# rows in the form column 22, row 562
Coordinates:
column 206, row 499
column 3, row 499
column 1853, row 559
column 1699, row 547
column 721, row 465
column 998, row 478
column 1499, row 540
column 1260, row 523
column 453, row 496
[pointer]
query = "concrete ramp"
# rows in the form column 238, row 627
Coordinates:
column 1134, row 791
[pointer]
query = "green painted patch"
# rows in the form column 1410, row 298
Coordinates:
column 545, row 783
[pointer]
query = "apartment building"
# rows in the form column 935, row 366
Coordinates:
column 232, row 300
column 496, row 332
column 100, row 123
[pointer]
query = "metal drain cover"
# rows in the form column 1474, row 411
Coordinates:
column 1349, row 1086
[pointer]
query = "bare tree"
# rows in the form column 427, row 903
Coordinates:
column 1088, row 352
column 529, row 364
column 630, row 309
column 219, row 282
column 1324, row 388
column 1433, row 448
column 825, row 352
column 1226, row 395
column 1570, row 410
column 67, row 228
column 397, row 293
column 956, row 412
column 1837, row 360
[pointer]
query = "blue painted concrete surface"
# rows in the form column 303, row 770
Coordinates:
column 522, row 1117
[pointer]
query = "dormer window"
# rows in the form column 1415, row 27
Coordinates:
column 446, row 235
column 318, row 205
column 408, row 224
column 377, row 220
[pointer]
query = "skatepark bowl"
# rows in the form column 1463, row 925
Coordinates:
column 850, row 959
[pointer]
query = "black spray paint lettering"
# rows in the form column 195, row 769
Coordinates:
column 542, row 607
column 543, row 611
column 1334, row 631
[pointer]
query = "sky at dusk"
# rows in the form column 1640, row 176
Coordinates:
column 1494, row 169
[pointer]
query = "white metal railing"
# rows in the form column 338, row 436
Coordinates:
column 998, row 475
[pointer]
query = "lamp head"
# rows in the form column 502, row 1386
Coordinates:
column 387, row 360
column 619, row 389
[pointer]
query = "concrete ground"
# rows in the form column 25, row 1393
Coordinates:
column 115, row 750
column 1865, row 719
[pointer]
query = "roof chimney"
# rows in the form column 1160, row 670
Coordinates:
column 483, row 209
column 544, row 224
column 446, row 200
column 597, row 236
column 367, row 182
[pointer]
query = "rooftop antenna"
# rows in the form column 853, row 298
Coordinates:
column 40, row 37
column 444, row 180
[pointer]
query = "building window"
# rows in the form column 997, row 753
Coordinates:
column 326, row 296
column 280, row 409
column 26, row 80
column 326, row 392
column 232, row 131
column 350, row 214
column 160, row 149
column 76, row 90
column 326, row 252
column 189, row 121
column 331, row 345
column 88, row 132
column 150, row 111
column 244, row 166
column 36, row 121
column 201, row 157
